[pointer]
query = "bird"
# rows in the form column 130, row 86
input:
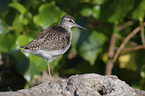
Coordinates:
column 53, row 41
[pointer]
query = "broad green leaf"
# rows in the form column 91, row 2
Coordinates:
column 19, row 7
column 32, row 30
column 48, row 14
column 92, row 46
column 22, row 40
column 113, row 11
column 96, row 11
column 86, row 11
column 138, row 11
column 18, row 23
column 3, row 26
column 7, row 42
column 36, row 66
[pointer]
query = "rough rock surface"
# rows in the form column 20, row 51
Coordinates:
column 80, row 85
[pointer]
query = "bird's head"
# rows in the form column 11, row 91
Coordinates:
column 68, row 21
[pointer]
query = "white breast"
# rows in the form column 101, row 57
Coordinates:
column 50, row 55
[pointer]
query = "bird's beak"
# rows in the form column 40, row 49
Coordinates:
column 80, row 27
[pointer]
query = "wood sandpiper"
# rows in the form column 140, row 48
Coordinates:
column 54, row 41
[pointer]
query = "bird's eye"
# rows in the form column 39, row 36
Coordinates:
column 71, row 21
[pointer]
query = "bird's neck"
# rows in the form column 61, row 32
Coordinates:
column 65, row 26
column 68, row 29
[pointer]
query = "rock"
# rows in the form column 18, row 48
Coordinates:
column 80, row 85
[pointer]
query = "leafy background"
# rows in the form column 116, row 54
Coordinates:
column 22, row 20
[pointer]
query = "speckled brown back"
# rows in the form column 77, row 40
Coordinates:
column 53, row 38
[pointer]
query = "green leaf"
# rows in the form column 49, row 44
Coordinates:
column 114, row 10
column 96, row 11
column 7, row 42
column 20, row 20
column 139, row 9
column 18, row 23
column 23, row 40
column 36, row 66
column 92, row 46
column 3, row 26
column 19, row 7
column 33, row 30
column 86, row 11
column 48, row 14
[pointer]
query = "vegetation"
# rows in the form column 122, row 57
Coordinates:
column 114, row 41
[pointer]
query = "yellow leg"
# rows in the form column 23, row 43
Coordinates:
column 49, row 70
